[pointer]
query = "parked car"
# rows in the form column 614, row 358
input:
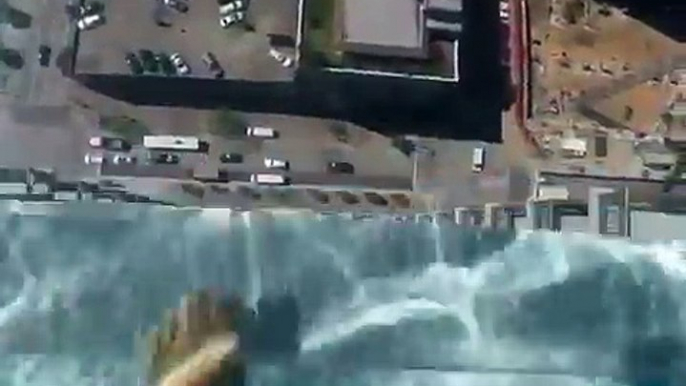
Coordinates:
column 167, row 158
column 233, row 6
column 280, row 57
column 109, row 143
column 273, row 163
column 149, row 61
column 135, row 65
column 123, row 159
column 213, row 65
column 94, row 159
column 181, row 66
column 44, row 53
column 340, row 168
column 177, row 5
column 165, row 64
column 228, row 20
column 90, row 22
column 231, row 158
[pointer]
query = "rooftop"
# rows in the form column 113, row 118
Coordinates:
column 241, row 49
column 394, row 27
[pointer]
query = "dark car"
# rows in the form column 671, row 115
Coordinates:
column 165, row 64
column 167, row 158
column 134, row 63
column 213, row 65
column 44, row 53
column 340, row 168
column 231, row 158
column 149, row 60
column 91, row 8
column 109, row 143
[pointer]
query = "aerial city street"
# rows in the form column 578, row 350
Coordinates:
column 270, row 104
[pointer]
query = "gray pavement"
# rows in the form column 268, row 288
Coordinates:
column 447, row 174
column 56, row 140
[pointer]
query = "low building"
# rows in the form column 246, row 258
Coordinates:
column 392, row 28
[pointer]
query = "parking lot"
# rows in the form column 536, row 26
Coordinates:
column 241, row 49
column 32, row 83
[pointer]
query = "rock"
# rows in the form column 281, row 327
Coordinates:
column 197, row 344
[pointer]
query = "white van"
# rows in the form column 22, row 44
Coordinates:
column 261, row 132
column 273, row 163
column 269, row 179
column 478, row 157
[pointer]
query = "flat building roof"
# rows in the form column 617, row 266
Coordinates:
column 396, row 27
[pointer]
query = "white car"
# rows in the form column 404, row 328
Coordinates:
column 281, row 58
column 231, row 19
column 272, row 163
column 90, row 21
column 94, row 159
column 180, row 64
column 230, row 7
column 505, row 10
column 120, row 159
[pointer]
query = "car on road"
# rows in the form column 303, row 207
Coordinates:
column 340, row 168
column 120, row 159
column 44, row 53
column 280, row 57
column 273, row 163
column 166, row 158
column 177, row 5
column 90, row 22
column 261, row 132
column 180, row 64
column 109, row 143
column 149, row 60
column 231, row 158
column 213, row 65
column 165, row 64
column 135, row 65
column 94, row 159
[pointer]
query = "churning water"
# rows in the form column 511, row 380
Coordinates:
column 381, row 302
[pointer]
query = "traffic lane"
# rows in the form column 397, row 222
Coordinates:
column 345, row 181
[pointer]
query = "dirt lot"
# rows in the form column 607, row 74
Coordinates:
column 243, row 53
column 638, row 108
column 611, row 46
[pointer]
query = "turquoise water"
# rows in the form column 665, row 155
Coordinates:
column 382, row 302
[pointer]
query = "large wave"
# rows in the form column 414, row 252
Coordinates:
column 381, row 301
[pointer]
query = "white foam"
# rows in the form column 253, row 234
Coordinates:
column 380, row 315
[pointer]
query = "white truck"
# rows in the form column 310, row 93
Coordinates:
column 261, row 132
column 269, row 179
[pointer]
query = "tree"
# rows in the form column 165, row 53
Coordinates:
column 228, row 123
column 12, row 58
column 18, row 19
column 404, row 145
column 126, row 127
column 340, row 131
column 573, row 11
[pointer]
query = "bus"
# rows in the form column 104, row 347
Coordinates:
column 171, row 142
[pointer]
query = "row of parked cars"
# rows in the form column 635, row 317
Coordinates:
column 148, row 62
